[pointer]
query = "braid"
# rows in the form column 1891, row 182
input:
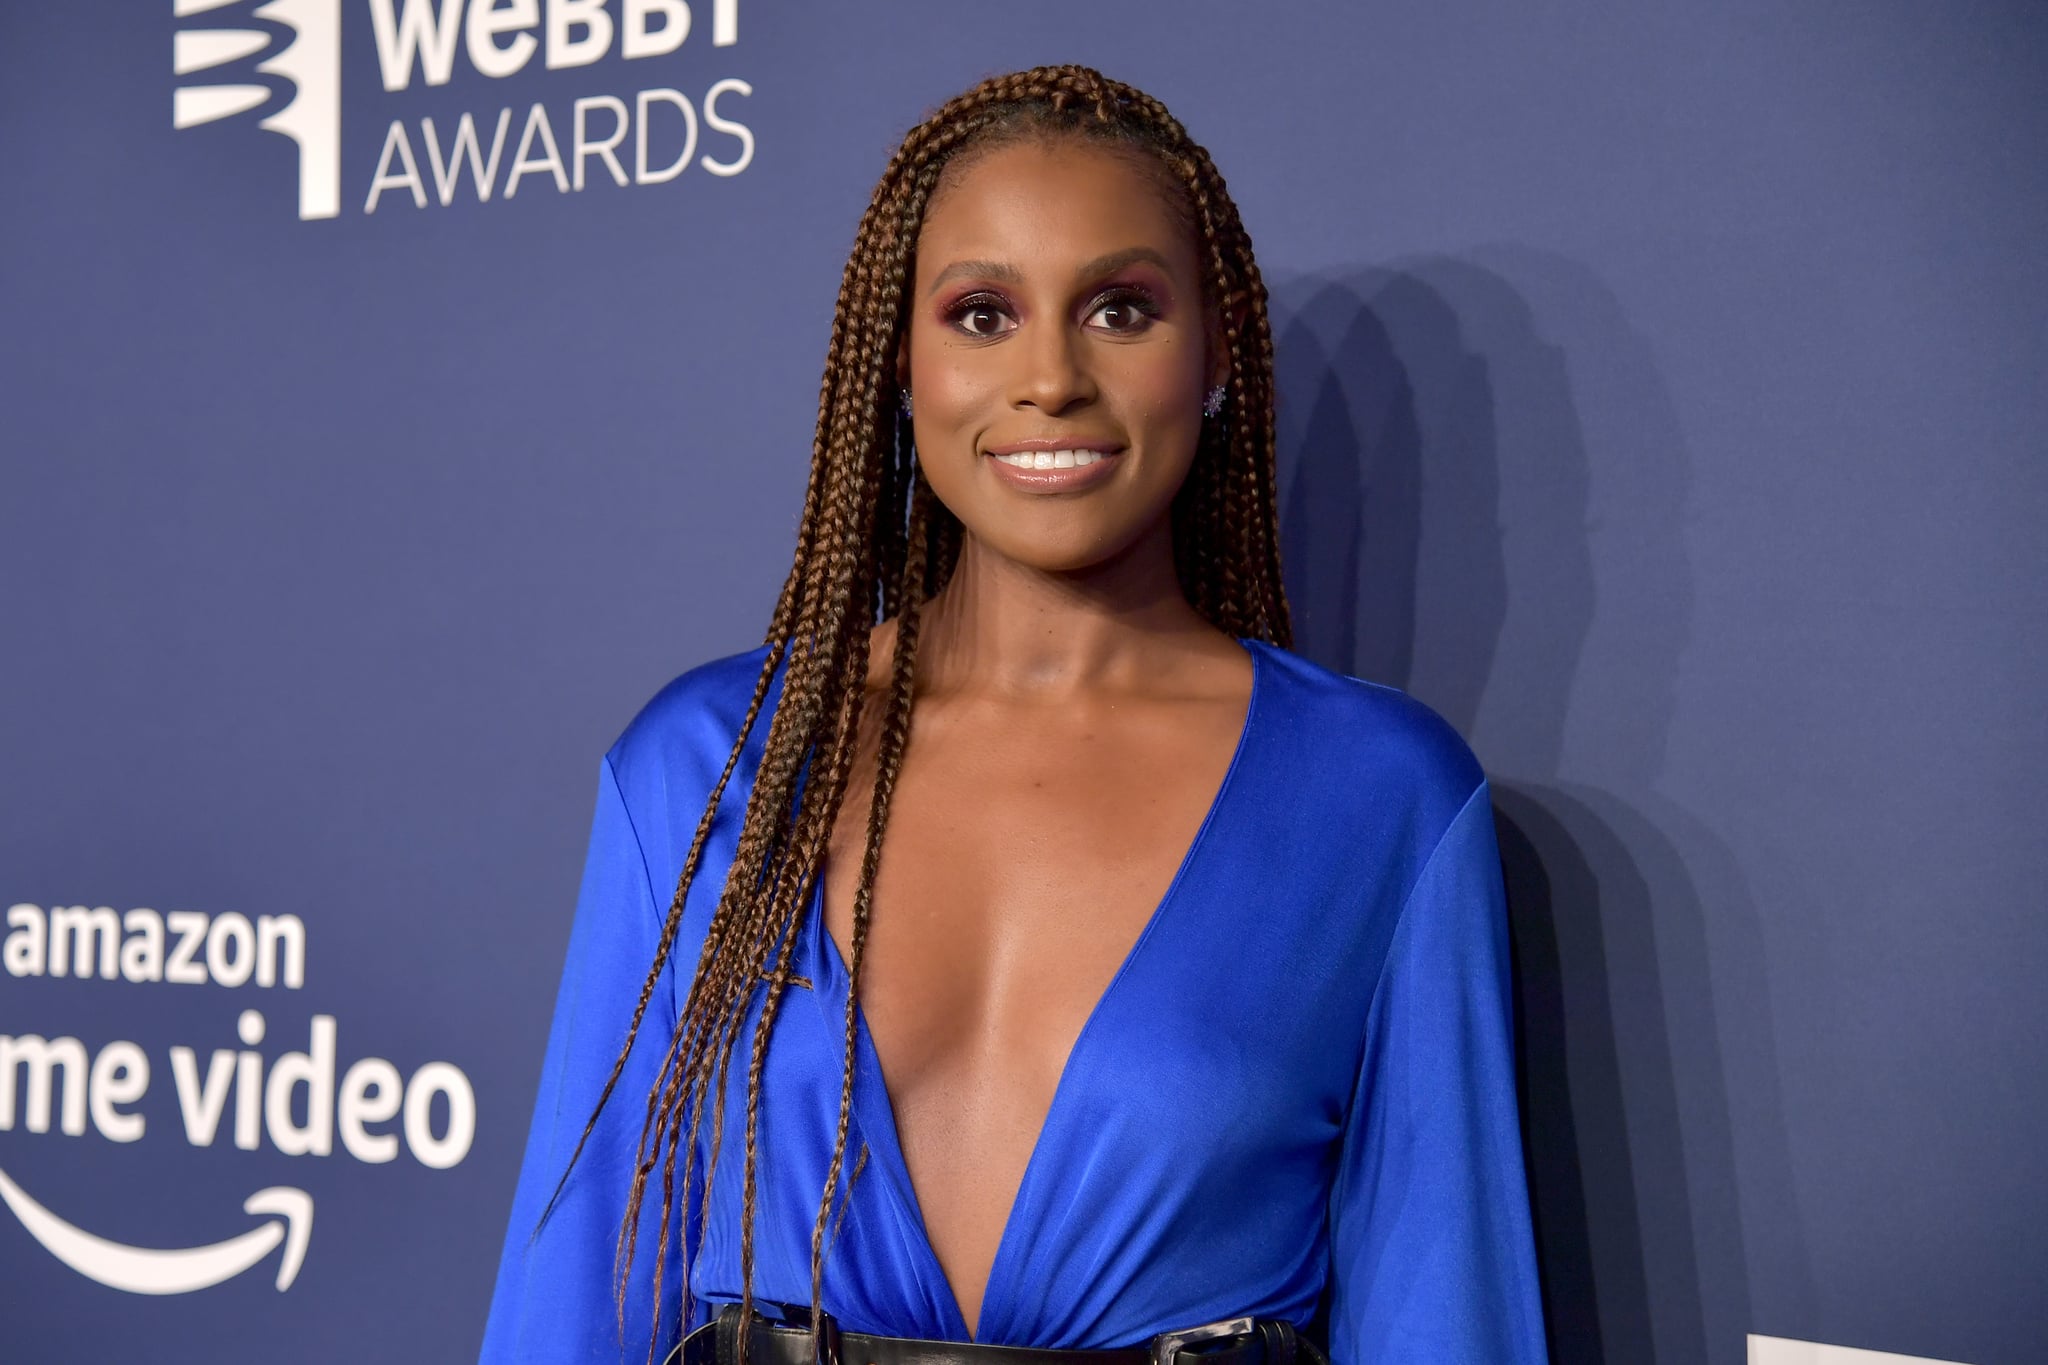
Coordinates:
column 888, row 763
column 875, row 544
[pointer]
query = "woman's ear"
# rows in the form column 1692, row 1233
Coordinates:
column 903, row 362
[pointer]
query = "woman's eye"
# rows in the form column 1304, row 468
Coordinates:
column 1123, row 313
column 980, row 317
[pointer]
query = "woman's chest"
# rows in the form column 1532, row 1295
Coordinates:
column 1196, row 1107
column 1024, row 853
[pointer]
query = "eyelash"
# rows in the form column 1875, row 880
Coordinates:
column 1133, row 297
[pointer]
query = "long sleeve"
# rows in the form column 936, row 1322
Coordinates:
column 1432, row 1258
column 554, row 1296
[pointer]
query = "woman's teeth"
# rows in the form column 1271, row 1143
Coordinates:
column 1051, row 459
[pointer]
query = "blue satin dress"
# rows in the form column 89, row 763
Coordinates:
column 1296, row 1098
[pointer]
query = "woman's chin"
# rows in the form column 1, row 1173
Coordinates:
column 1070, row 552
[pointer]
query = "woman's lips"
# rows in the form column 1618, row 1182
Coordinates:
column 1039, row 468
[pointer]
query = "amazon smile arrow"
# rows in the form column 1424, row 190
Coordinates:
column 145, row 1270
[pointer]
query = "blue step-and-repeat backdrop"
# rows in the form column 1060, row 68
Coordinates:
column 398, row 392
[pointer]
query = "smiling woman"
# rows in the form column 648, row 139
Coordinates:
column 1080, row 330
column 1170, row 1018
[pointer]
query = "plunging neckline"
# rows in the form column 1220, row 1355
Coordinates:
column 875, row 1111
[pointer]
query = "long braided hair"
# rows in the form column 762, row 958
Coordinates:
column 874, row 543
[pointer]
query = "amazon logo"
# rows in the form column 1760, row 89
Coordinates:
column 288, row 1221
column 300, row 1103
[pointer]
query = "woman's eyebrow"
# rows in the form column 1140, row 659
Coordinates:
column 1009, row 274
column 987, row 270
column 1117, row 260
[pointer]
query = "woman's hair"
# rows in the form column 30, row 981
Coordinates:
column 873, row 544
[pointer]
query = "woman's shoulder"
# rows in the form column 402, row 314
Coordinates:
column 686, row 730
column 1365, row 736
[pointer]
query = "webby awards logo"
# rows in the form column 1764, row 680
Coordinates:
column 310, row 60
column 649, row 136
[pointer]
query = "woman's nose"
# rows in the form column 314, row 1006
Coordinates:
column 1052, row 371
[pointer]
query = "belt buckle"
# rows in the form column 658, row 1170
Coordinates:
column 1168, row 1344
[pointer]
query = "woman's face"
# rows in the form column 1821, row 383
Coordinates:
column 1057, row 315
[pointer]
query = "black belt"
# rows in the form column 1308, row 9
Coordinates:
column 781, row 1335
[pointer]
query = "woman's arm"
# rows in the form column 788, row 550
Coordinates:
column 1432, row 1260
column 554, row 1299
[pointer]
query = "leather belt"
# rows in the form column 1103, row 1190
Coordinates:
column 781, row 1335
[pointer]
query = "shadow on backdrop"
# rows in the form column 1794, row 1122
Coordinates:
column 1441, row 534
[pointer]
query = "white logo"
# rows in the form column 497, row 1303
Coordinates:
column 314, row 1104
column 648, row 136
column 143, row 1270
column 311, row 61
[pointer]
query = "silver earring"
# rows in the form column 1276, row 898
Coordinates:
column 903, row 397
column 1213, row 404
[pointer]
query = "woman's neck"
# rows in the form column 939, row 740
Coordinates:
column 1005, row 627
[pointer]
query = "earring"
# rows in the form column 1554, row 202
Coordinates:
column 1213, row 404
column 903, row 398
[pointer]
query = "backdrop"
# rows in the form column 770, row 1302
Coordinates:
column 398, row 392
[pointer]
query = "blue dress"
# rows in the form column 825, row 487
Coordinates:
column 1296, row 1098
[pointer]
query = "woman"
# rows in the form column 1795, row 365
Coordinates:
column 1176, row 993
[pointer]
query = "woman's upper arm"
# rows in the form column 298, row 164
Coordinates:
column 554, row 1299
column 1432, row 1258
